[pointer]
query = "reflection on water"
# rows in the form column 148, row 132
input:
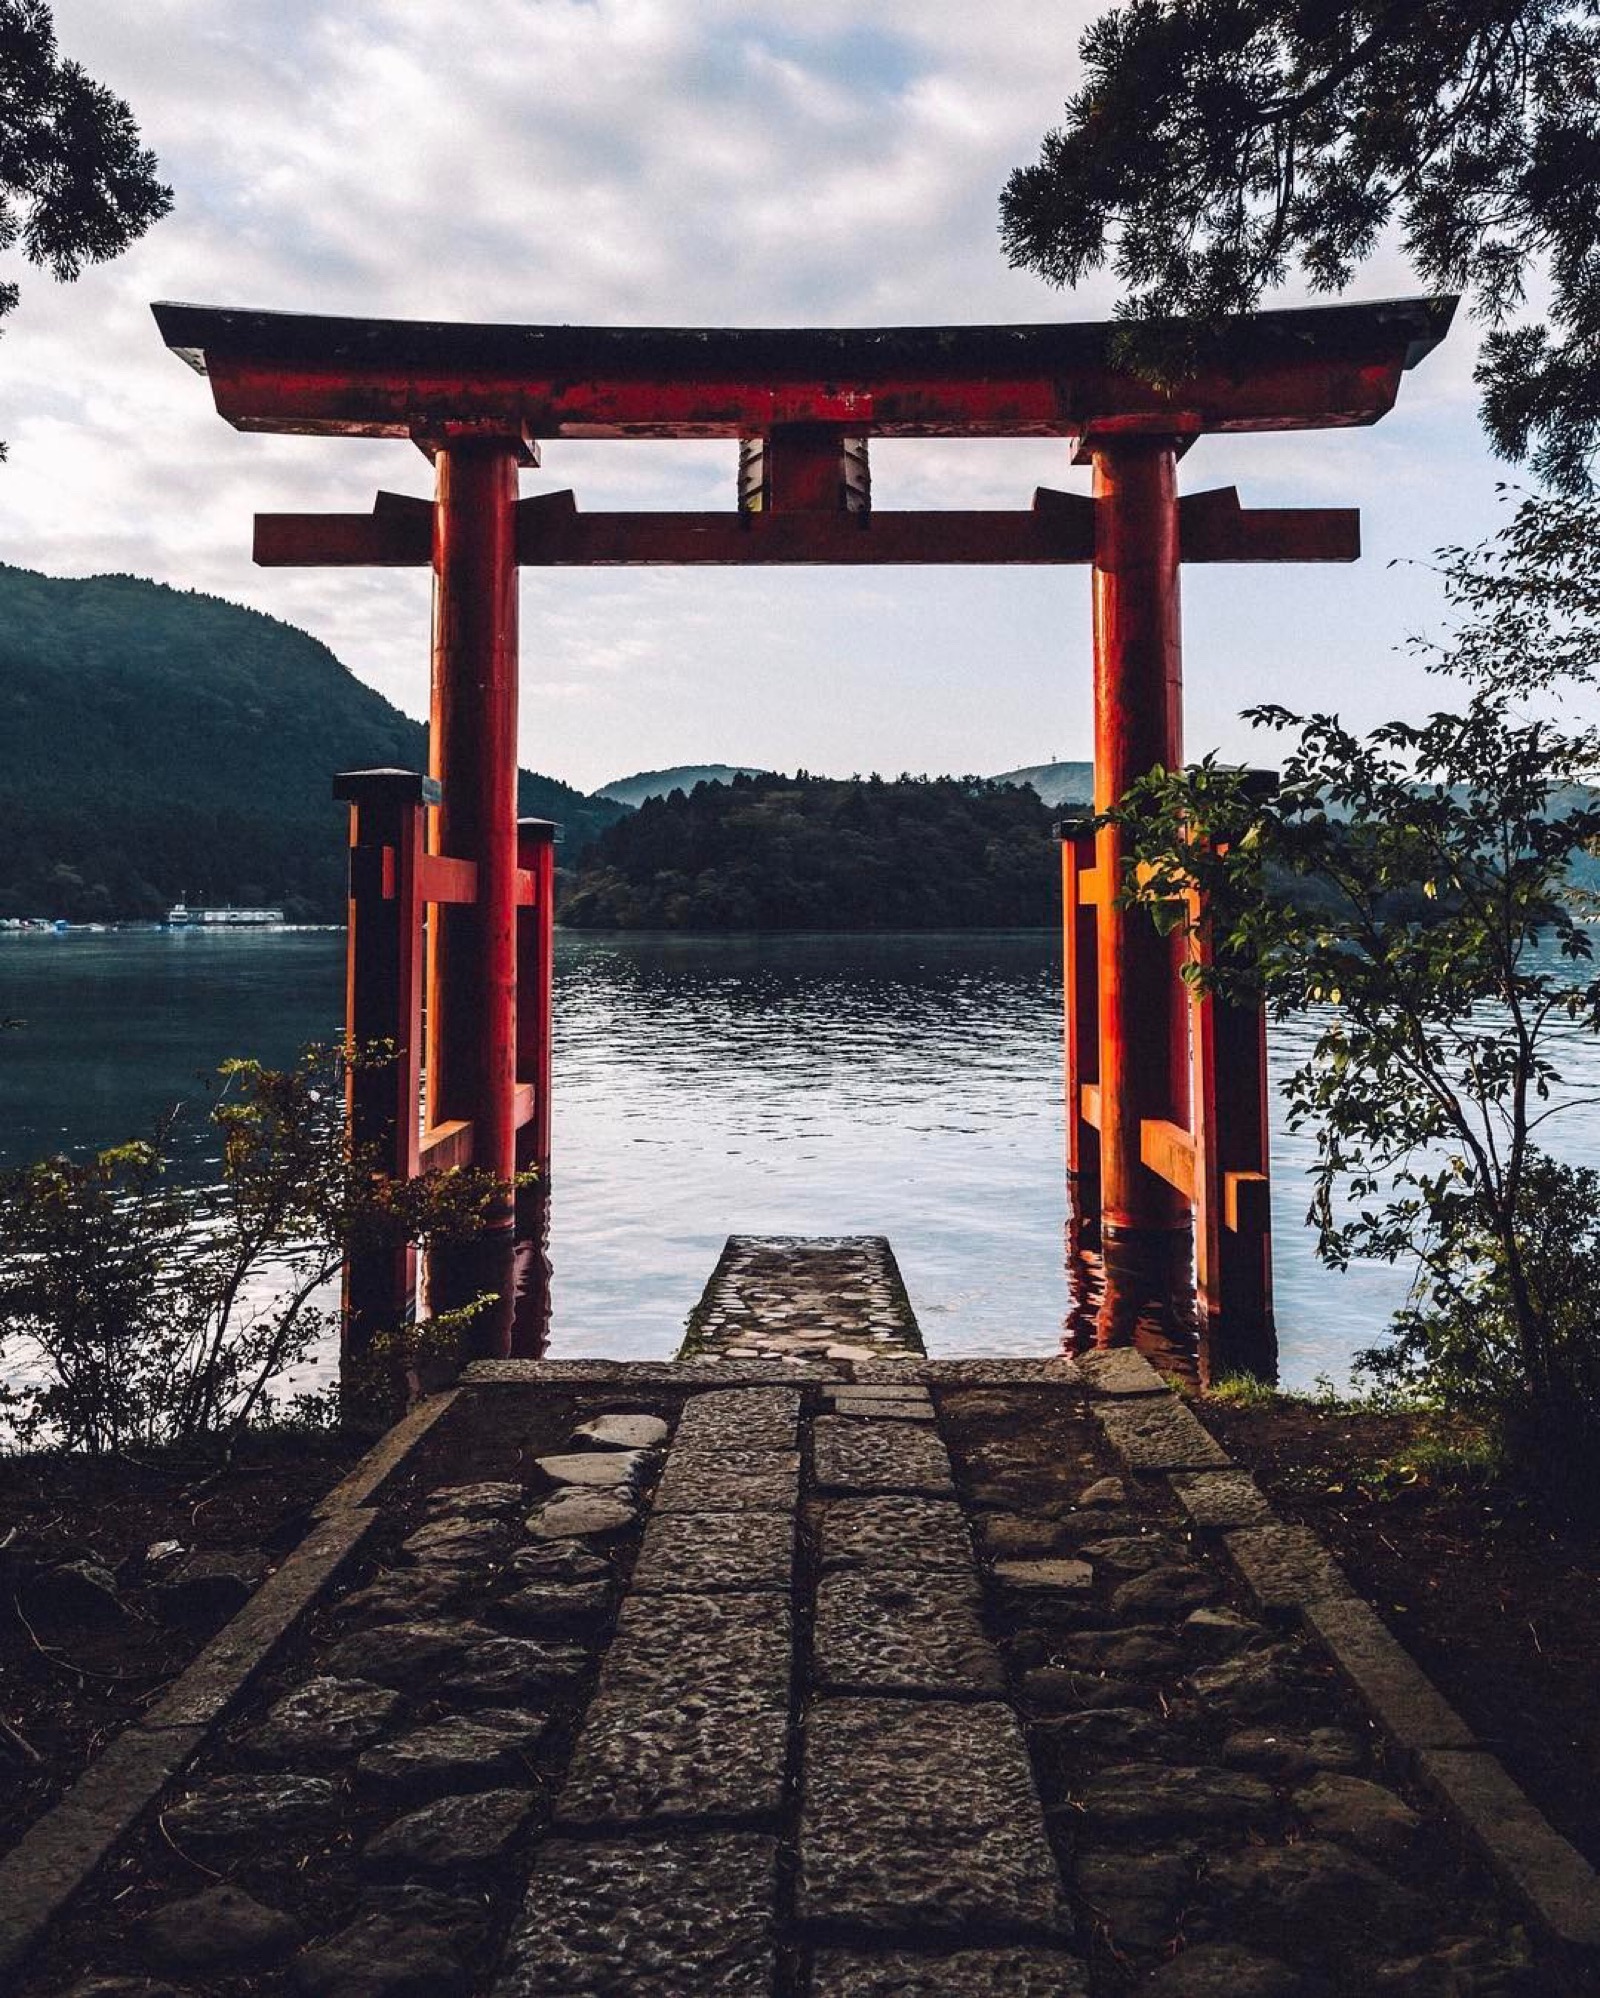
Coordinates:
column 907, row 1086
column 1137, row 1292
column 899, row 1085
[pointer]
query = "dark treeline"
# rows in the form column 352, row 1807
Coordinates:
column 161, row 742
column 803, row 852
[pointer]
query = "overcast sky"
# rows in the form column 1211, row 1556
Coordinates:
column 693, row 162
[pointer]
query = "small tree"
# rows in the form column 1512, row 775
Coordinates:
column 1419, row 909
column 135, row 1311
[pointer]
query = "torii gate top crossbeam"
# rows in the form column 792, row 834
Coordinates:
column 1316, row 368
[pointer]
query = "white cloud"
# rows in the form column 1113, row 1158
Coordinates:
column 643, row 161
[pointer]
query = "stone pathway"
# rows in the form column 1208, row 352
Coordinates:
column 941, row 1681
column 803, row 1298
column 781, row 1754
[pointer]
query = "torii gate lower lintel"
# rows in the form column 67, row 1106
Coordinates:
column 1148, row 1149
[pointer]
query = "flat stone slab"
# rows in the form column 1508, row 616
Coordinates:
column 492, row 1498
column 920, row 1818
column 894, row 1533
column 600, row 1470
column 1150, row 1801
column 1059, row 1577
column 688, row 1915
column 556, row 1561
column 482, row 1751
column 575, row 1610
column 967, row 1973
column 1411, row 1708
column 454, row 1835
column 740, row 1419
column 1057, row 1373
column 901, row 1391
column 675, row 1646
column 622, row 1432
column 411, row 1595
column 234, row 1813
column 1285, row 1567
column 868, row 1457
column 1554, row 1882
column 1169, row 1591
column 1221, row 1498
column 1119, row 1370
column 451, row 1540
column 1159, row 1434
column 916, row 1632
column 404, row 1654
column 503, row 1669
column 582, row 1515
column 1006, row 1536
column 321, row 1722
column 642, row 1760
column 715, row 1552
column 1353, row 1811
column 1307, row 1898
column 1133, row 1553
column 729, row 1481
column 883, row 1411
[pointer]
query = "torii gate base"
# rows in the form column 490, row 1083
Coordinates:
column 1167, row 1111
column 398, row 893
column 1217, row 1164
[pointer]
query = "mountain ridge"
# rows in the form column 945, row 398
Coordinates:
column 164, row 742
column 643, row 784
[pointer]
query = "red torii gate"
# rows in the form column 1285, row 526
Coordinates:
column 1148, row 1145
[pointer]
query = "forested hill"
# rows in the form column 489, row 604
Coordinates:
column 773, row 852
column 158, row 742
column 680, row 777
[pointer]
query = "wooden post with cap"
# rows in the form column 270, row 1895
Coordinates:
column 383, row 1026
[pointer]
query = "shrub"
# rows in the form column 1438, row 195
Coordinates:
column 137, row 1311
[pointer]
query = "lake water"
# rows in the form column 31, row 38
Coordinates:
column 823, row 1084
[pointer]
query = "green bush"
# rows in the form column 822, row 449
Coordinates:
column 1517, row 1349
column 138, row 1311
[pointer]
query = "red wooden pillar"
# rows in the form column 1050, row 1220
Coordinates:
column 1081, row 997
column 1233, row 1212
column 1138, row 702
column 383, row 1004
column 472, row 986
column 536, row 856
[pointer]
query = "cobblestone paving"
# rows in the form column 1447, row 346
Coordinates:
column 803, row 1298
column 872, row 1689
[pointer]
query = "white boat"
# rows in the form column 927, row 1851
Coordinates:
column 180, row 916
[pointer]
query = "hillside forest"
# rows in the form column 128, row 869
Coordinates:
column 813, row 853
column 161, row 743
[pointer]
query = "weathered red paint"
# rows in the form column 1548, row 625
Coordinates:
column 1138, row 681
column 535, row 985
column 1050, row 533
column 383, row 1005
column 472, row 1009
column 265, row 395
column 1080, row 1006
